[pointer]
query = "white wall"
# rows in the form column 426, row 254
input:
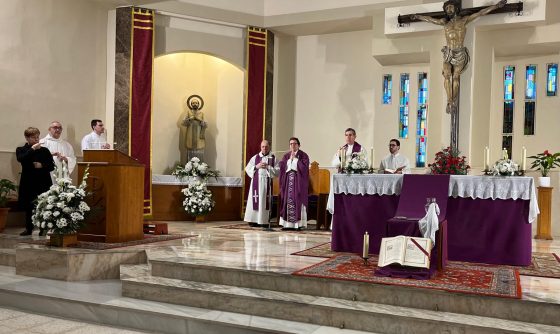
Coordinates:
column 335, row 76
column 220, row 84
column 52, row 67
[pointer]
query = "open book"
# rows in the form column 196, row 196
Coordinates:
column 406, row 251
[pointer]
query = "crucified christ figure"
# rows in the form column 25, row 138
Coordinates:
column 455, row 55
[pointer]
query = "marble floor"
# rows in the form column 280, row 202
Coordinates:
column 248, row 249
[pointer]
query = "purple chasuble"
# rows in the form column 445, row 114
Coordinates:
column 356, row 148
column 255, row 184
column 294, row 187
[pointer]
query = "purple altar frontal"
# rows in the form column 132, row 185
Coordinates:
column 483, row 230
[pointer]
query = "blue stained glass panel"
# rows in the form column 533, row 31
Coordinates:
column 404, row 99
column 422, row 88
column 387, row 89
column 421, row 151
column 551, row 79
column 530, row 82
column 509, row 82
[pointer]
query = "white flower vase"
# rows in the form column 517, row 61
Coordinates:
column 544, row 181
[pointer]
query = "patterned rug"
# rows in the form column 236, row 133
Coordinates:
column 542, row 264
column 462, row 277
column 148, row 238
column 276, row 228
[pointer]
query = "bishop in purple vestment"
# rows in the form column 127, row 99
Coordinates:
column 351, row 147
column 294, row 183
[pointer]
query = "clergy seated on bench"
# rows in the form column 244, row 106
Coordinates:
column 416, row 189
column 319, row 187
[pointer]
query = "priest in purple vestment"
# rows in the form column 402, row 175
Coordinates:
column 346, row 150
column 261, row 169
column 294, row 183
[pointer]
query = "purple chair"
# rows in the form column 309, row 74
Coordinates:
column 411, row 208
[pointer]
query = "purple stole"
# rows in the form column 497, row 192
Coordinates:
column 294, row 187
column 255, row 184
column 356, row 148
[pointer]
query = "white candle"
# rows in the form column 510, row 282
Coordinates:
column 372, row 159
column 365, row 250
column 504, row 154
column 523, row 158
column 486, row 158
column 342, row 158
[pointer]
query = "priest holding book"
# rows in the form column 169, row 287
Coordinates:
column 394, row 163
column 261, row 169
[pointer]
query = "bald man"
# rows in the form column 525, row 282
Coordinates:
column 261, row 169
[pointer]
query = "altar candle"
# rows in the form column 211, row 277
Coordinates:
column 342, row 157
column 486, row 158
column 365, row 250
column 504, row 154
column 372, row 160
column 523, row 158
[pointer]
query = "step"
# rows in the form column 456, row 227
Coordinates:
column 356, row 315
column 428, row 299
column 100, row 302
column 7, row 257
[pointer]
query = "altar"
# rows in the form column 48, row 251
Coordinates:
column 489, row 218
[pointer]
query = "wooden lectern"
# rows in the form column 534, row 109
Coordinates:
column 116, row 184
column 544, row 218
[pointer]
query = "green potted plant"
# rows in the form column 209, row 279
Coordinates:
column 545, row 162
column 6, row 188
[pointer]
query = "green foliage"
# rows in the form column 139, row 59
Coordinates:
column 545, row 162
column 6, row 188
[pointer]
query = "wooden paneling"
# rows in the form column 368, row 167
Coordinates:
column 167, row 203
column 544, row 230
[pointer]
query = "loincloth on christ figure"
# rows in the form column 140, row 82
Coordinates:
column 458, row 57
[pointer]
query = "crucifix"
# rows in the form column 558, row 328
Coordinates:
column 456, row 57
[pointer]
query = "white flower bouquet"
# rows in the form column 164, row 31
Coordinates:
column 357, row 164
column 62, row 208
column 505, row 167
column 198, row 199
column 195, row 168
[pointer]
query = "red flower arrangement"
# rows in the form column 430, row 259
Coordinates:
column 448, row 161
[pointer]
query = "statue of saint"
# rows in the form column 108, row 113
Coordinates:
column 455, row 55
column 195, row 128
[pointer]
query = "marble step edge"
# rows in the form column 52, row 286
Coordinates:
column 141, row 316
column 7, row 257
column 319, row 310
column 423, row 298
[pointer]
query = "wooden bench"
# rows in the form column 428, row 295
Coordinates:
column 319, row 187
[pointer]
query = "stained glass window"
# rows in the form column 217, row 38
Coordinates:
column 387, row 89
column 421, row 128
column 551, row 79
column 509, row 81
column 530, row 81
column 507, row 125
column 404, row 99
column 529, row 125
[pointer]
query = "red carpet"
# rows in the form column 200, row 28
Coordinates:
column 542, row 264
column 461, row 277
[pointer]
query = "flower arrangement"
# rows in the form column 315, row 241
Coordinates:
column 545, row 162
column 357, row 164
column 62, row 209
column 195, row 168
column 505, row 167
column 449, row 161
column 198, row 199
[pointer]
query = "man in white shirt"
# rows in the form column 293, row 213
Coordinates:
column 395, row 163
column 348, row 149
column 60, row 149
column 95, row 140
column 261, row 169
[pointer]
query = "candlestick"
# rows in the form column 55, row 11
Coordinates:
column 342, row 158
column 365, row 250
column 486, row 158
column 372, row 160
column 523, row 158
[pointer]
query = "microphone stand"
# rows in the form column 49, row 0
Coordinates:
column 269, row 188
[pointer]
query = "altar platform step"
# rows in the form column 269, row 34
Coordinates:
column 100, row 302
column 532, row 311
column 324, row 311
column 7, row 257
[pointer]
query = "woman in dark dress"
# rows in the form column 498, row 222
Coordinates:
column 36, row 164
